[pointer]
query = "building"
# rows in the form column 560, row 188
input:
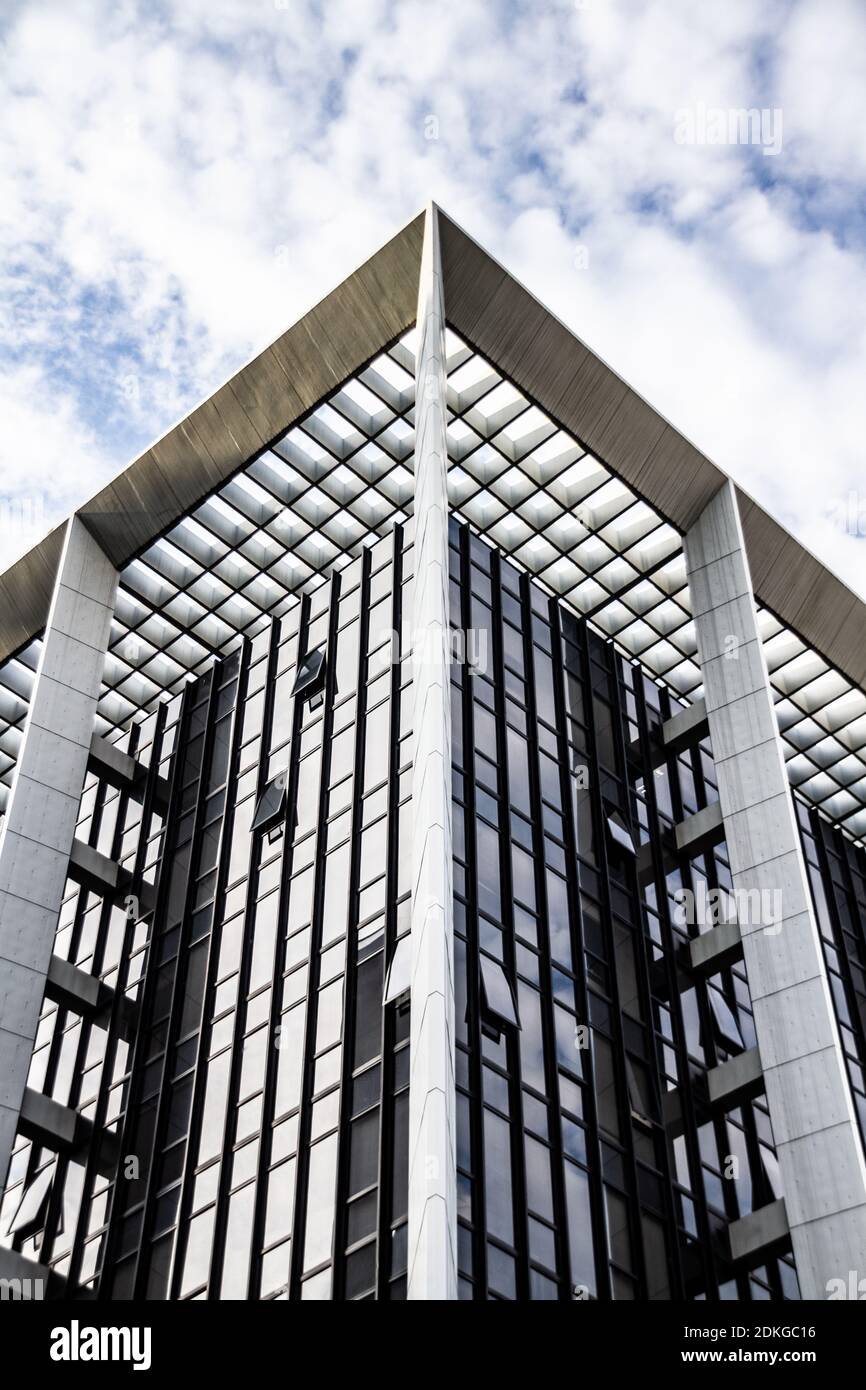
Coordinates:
column 432, row 862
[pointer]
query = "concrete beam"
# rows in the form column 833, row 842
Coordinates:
column 686, row 729
column 75, row 989
column 61, row 1129
column 119, row 770
column 91, row 869
column 39, row 826
column 47, row 1122
column 110, row 763
column 102, row 875
column 700, row 832
column 725, row 1087
column 715, row 950
column 762, row 1234
column 739, row 1079
column 692, row 836
column 432, row 1212
column 818, row 1144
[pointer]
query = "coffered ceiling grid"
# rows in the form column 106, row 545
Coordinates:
column 344, row 475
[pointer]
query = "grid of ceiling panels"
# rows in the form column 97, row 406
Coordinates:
column 344, row 476
column 535, row 494
column 822, row 720
column 330, row 486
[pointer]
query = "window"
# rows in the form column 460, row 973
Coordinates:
column 30, row 1212
column 310, row 677
column 271, row 804
column 620, row 836
column 497, row 996
column 727, row 1028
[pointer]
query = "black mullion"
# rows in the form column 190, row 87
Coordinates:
column 205, row 1027
column 387, row 1101
column 273, row 1055
column 114, row 1021
column 142, row 1256
column 547, row 1017
column 593, row 1169
column 310, row 1022
column 338, row 1244
column 506, row 888
column 617, row 1038
column 137, row 1057
column 473, row 987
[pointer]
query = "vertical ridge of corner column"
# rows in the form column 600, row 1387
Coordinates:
column 39, row 826
column 432, row 1260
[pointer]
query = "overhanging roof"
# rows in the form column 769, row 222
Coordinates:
column 528, row 344
column 323, row 349
column 306, row 455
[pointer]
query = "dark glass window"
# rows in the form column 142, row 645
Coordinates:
column 497, row 994
column 271, row 804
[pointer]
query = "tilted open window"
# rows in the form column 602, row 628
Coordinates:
column 498, row 1007
column 271, row 805
column 310, row 676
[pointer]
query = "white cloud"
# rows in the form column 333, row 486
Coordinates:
column 50, row 462
column 195, row 175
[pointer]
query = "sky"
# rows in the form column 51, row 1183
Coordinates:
column 181, row 179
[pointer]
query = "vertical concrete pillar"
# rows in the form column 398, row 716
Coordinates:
column 39, row 825
column 815, row 1127
column 432, row 1100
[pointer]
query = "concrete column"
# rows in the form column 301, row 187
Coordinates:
column 815, row 1127
column 39, row 826
column 432, row 1100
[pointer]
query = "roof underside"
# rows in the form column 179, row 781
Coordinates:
column 306, row 456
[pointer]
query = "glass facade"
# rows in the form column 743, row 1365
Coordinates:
column 243, row 1083
column 248, row 1084
column 837, row 876
column 590, row 1163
